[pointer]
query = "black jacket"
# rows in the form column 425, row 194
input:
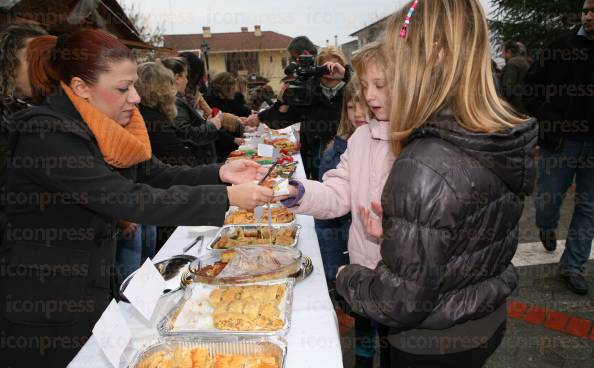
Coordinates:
column 226, row 141
column 62, row 217
column 319, row 121
column 195, row 132
column 512, row 81
column 451, row 207
column 165, row 143
column 236, row 106
column 560, row 91
column 5, row 113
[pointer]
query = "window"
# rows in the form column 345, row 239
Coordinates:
column 236, row 61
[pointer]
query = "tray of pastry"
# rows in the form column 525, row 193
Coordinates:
column 232, row 236
column 212, row 353
column 280, row 215
column 245, row 265
column 284, row 171
column 253, row 309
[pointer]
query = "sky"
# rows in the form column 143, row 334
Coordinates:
column 319, row 20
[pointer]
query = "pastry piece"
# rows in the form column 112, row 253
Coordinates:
column 215, row 297
column 237, row 361
column 251, row 308
column 182, row 358
column 156, row 360
column 200, row 358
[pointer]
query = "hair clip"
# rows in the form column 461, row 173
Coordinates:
column 404, row 29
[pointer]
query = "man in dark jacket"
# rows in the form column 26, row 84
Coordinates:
column 319, row 121
column 452, row 205
column 560, row 88
column 513, row 74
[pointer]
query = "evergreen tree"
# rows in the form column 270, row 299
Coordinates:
column 533, row 22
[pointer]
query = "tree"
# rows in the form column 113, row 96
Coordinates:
column 153, row 35
column 533, row 22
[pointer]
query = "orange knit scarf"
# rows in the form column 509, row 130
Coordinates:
column 121, row 146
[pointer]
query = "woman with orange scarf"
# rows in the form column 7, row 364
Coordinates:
column 79, row 162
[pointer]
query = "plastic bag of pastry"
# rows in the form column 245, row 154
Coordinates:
column 246, row 264
column 261, row 262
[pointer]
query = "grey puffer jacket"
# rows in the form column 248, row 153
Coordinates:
column 451, row 206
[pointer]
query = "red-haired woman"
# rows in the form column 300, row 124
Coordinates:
column 81, row 161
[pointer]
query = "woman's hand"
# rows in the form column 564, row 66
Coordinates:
column 241, row 171
column 336, row 70
column 249, row 195
column 217, row 120
column 253, row 120
column 239, row 141
column 372, row 224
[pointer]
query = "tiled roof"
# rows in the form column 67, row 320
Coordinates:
column 229, row 42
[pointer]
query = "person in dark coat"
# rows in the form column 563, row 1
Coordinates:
column 79, row 163
column 319, row 121
column 559, row 94
column 453, row 200
column 513, row 74
column 192, row 128
column 14, row 86
column 222, row 95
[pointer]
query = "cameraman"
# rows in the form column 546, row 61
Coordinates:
column 319, row 120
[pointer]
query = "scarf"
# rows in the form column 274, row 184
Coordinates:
column 122, row 147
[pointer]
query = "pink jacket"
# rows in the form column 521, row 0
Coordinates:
column 358, row 180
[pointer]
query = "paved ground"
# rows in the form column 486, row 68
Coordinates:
column 548, row 326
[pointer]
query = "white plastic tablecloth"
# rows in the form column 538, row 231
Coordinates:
column 313, row 339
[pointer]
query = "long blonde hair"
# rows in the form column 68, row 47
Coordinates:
column 156, row 87
column 444, row 61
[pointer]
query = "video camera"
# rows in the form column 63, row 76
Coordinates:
column 307, row 74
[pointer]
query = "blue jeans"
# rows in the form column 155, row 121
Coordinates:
column 556, row 173
column 132, row 252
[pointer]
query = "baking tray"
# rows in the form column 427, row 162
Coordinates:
column 276, row 347
column 233, row 209
column 170, row 268
column 227, row 229
column 166, row 325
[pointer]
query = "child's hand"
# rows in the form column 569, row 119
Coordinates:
column 373, row 224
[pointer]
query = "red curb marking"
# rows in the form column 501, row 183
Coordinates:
column 516, row 309
column 552, row 320
column 556, row 321
column 535, row 315
column 578, row 327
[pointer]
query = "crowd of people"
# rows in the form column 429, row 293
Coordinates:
column 418, row 160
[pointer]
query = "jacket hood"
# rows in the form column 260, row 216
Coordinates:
column 508, row 154
column 56, row 114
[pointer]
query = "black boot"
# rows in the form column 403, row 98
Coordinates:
column 575, row 282
column 548, row 239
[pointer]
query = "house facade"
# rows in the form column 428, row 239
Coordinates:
column 257, row 52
